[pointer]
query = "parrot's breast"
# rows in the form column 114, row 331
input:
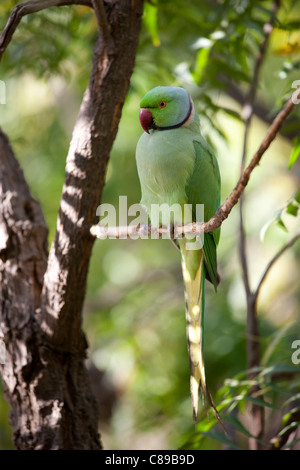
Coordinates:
column 165, row 161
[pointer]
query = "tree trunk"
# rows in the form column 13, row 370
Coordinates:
column 41, row 295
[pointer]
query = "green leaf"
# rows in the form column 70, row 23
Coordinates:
column 297, row 196
column 291, row 443
column 295, row 385
column 262, row 403
column 269, row 12
column 239, row 54
column 276, row 388
column 220, row 437
column 294, row 424
column 232, row 71
column 270, row 348
column 279, row 368
column 295, row 152
column 281, row 225
column 150, row 18
column 290, row 400
column 264, row 229
column 232, row 113
column 201, row 63
column 292, row 209
column 290, row 26
column 237, row 424
column 253, row 25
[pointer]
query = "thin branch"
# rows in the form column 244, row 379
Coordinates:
column 25, row 8
column 242, row 247
column 247, row 111
column 227, row 206
column 233, row 198
column 273, row 261
column 134, row 231
column 253, row 345
column 247, row 114
column 290, row 129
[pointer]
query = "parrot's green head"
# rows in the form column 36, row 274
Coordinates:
column 164, row 108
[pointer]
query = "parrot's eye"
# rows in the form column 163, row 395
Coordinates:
column 162, row 104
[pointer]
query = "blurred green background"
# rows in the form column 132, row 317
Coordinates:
column 134, row 311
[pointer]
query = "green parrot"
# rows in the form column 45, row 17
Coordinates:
column 178, row 168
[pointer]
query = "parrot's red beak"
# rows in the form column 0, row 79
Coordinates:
column 146, row 119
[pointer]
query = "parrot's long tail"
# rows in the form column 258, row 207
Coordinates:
column 195, row 301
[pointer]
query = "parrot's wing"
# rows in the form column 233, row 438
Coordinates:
column 203, row 187
column 210, row 259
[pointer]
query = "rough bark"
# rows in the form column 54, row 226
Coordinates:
column 45, row 378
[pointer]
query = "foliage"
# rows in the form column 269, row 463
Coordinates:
column 276, row 395
column 134, row 311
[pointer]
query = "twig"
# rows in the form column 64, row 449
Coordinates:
column 247, row 114
column 25, row 8
column 231, row 201
column 253, row 345
column 261, row 110
column 227, row 206
column 135, row 231
column 273, row 260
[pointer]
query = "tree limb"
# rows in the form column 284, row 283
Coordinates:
column 253, row 345
column 93, row 135
column 225, row 208
column 25, row 8
column 247, row 114
column 45, row 377
column 43, row 415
